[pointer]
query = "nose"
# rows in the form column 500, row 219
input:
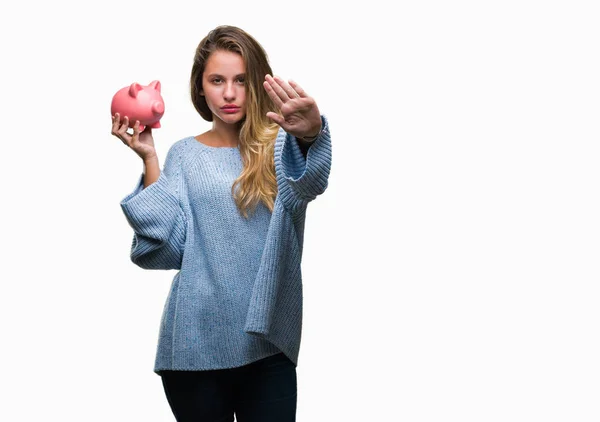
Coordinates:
column 229, row 93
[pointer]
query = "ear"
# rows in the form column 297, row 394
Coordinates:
column 134, row 88
column 155, row 85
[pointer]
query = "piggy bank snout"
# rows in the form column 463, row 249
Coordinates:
column 158, row 107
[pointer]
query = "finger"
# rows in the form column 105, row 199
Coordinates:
column 279, row 86
column 272, row 94
column 278, row 90
column 123, row 130
column 291, row 92
column 276, row 118
column 298, row 89
column 136, row 130
column 122, row 125
column 115, row 123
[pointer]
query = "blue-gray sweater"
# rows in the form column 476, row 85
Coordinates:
column 237, row 296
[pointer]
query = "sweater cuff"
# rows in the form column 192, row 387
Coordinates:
column 307, row 177
column 151, row 211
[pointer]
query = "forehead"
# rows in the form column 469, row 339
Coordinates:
column 224, row 63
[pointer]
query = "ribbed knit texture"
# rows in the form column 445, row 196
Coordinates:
column 237, row 296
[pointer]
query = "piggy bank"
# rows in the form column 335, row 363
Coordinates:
column 139, row 102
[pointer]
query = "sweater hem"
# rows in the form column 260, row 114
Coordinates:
column 158, row 370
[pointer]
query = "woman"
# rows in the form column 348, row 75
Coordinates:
column 228, row 212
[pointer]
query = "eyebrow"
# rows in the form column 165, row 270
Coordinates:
column 220, row 76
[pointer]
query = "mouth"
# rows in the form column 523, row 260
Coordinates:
column 230, row 109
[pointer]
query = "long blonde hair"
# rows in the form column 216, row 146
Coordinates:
column 258, row 181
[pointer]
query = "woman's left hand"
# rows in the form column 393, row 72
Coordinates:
column 301, row 117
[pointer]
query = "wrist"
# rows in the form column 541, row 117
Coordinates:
column 311, row 138
column 150, row 159
column 308, row 138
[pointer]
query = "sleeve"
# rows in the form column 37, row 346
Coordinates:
column 157, row 218
column 305, row 177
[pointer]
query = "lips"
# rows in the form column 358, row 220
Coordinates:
column 230, row 107
column 231, row 110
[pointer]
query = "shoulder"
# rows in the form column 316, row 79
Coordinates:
column 182, row 143
column 178, row 150
column 180, row 146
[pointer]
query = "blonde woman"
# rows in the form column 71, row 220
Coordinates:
column 228, row 211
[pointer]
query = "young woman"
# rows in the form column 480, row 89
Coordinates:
column 228, row 212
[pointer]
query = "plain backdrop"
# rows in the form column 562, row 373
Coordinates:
column 450, row 269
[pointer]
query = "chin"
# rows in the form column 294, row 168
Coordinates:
column 232, row 119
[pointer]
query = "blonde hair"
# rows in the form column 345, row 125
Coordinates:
column 258, row 181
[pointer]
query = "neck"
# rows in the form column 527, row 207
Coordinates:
column 224, row 134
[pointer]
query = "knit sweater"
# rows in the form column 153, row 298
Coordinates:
column 237, row 295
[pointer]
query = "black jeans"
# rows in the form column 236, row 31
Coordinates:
column 262, row 391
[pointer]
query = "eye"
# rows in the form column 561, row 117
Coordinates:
column 242, row 80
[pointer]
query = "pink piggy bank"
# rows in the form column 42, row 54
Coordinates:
column 138, row 102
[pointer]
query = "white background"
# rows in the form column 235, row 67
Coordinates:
column 450, row 269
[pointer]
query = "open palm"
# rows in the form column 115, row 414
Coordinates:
column 300, row 114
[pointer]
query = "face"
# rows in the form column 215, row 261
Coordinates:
column 224, row 84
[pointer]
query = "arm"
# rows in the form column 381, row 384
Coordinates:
column 154, row 212
column 300, row 178
column 151, row 171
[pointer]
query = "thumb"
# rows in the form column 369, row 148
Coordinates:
column 276, row 118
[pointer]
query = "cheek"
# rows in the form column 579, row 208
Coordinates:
column 210, row 97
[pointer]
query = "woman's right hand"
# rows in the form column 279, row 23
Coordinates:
column 142, row 143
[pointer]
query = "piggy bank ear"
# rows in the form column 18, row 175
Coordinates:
column 155, row 85
column 134, row 88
